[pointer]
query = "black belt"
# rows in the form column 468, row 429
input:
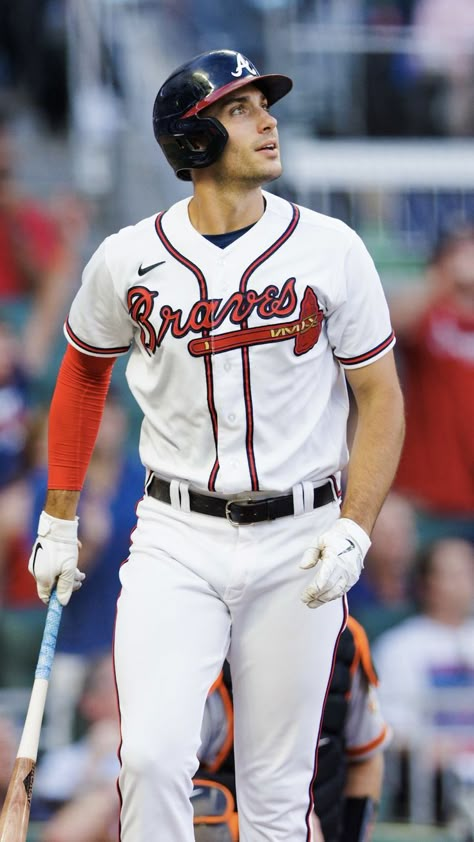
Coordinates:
column 239, row 510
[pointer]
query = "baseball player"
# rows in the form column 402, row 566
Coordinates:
column 243, row 316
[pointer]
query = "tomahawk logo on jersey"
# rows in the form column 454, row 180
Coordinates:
column 209, row 314
column 257, row 332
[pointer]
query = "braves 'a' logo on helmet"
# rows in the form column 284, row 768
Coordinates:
column 243, row 64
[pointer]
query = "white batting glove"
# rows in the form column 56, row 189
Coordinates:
column 54, row 558
column 338, row 556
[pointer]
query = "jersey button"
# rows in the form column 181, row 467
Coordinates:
column 231, row 417
column 227, row 366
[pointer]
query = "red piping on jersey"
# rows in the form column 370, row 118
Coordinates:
column 211, row 484
column 369, row 354
column 315, row 768
column 102, row 352
column 245, row 351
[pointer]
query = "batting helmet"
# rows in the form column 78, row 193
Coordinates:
column 188, row 139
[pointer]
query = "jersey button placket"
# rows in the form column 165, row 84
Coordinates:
column 227, row 382
column 228, row 385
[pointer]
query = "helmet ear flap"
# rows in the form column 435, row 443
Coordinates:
column 198, row 141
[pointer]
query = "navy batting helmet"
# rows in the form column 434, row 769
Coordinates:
column 188, row 139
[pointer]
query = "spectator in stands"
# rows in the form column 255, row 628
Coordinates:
column 435, row 330
column 14, row 407
column 384, row 104
column 37, row 264
column 444, row 50
column 382, row 596
column 20, row 621
column 33, row 56
column 426, row 663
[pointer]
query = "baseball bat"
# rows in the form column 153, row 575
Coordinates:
column 16, row 809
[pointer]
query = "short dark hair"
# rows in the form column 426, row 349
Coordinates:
column 455, row 231
column 423, row 563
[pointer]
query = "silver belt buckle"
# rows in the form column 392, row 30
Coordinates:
column 240, row 501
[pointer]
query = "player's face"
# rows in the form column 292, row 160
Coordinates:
column 252, row 152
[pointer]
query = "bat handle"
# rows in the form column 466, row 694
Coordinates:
column 50, row 635
column 31, row 731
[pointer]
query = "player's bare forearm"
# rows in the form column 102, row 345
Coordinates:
column 62, row 504
column 377, row 442
column 365, row 778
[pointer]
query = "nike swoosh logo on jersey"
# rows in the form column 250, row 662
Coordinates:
column 142, row 270
column 348, row 549
column 38, row 547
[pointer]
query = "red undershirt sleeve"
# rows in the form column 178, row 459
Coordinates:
column 75, row 415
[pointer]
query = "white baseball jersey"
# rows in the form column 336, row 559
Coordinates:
column 255, row 336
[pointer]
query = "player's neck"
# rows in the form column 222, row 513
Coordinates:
column 217, row 212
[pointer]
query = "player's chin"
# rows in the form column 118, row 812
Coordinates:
column 271, row 171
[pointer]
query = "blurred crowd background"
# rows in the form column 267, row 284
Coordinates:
column 379, row 131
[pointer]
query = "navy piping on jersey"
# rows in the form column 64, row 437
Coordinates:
column 245, row 351
column 207, row 359
column 309, row 813
column 368, row 354
column 102, row 352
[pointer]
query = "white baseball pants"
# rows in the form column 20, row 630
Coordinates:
column 195, row 590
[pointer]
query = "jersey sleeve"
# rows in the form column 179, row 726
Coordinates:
column 98, row 322
column 366, row 730
column 359, row 328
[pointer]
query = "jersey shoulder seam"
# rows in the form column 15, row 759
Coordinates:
column 320, row 220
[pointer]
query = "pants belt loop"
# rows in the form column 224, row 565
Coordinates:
column 298, row 505
column 175, row 496
column 148, row 480
column 308, row 496
column 335, row 488
column 184, row 496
